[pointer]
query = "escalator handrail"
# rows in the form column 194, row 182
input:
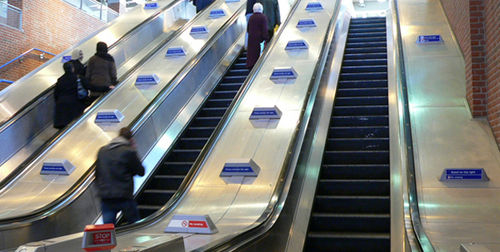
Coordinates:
column 61, row 133
column 87, row 178
column 418, row 230
column 43, row 95
column 265, row 222
column 196, row 167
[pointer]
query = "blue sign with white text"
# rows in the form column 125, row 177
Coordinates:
column 217, row 13
column 176, row 51
column 52, row 168
column 229, row 169
column 265, row 112
column 424, row 39
column 145, row 79
column 306, row 23
column 296, row 44
column 150, row 5
column 464, row 173
column 106, row 117
column 314, row 6
column 285, row 73
column 199, row 30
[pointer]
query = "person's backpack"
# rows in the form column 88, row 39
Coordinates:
column 82, row 93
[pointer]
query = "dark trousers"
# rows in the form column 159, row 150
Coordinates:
column 110, row 207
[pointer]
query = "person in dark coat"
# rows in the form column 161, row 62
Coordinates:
column 101, row 71
column 272, row 12
column 257, row 33
column 201, row 4
column 76, row 60
column 117, row 164
column 68, row 107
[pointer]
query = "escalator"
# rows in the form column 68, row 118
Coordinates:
column 169, row 175
column 351, row 209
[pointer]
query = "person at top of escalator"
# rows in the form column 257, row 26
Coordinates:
column 272, row 12
column 117, row 164
column 201, row 4
column 257, row 33
column 67, row 105
column 101, row 71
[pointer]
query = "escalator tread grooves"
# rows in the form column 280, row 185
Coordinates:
column 353, row 188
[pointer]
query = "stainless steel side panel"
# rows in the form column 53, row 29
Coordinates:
column 26, row 132
column 31, row 191
column 24, row 90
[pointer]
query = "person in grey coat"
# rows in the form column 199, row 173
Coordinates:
column 117, row 164
column 101, row 71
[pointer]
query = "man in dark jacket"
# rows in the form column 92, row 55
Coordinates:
column 201, row 4
column 101, row 71
column 117, row 163
column 257, row 33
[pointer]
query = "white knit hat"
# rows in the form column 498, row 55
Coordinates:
column 76, row 54
column 258, row 8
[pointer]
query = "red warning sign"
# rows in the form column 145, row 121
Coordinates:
column 102, row 238
column 198, row 224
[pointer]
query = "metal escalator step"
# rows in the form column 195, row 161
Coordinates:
column 218, row 103
column 241, row 60
column 174, row 168
column 352, row 204
column 367, row 35
column 354, row 187
column 364, row 69
column 224, row 94
column 360, row 100
column 366, row 91
column 229, row 86
column 356, row 157
column 166, row 182
column 199, row 131
column 370, row 44
column 326, row 242
column 364, row 62
column 359, row 132
column 180, row 155
column 233, row 79
column 192, row 142
column 339, row 121
column 357, row 144
column 361, row 110
column 367, row 25
column 366, row 50
column 369, row 20
column 363, row 223
column 212, row 112
column 209, row 121
column 155, row 197
column 362, row 83
column 238, row 72
column 363, row 76
column 367, row 39
column 355, row 56
column 354, row 31
column 239, row 66
column 358, row 171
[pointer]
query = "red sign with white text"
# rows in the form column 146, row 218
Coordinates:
column 102, row 238
column 198, row 224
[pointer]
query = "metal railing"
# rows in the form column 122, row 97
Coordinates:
column 11, row 16
column 42, row 55
column 95, row 8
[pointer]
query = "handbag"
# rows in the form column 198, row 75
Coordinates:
column 82, row 93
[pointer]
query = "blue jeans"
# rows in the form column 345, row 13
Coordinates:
column 110, row 207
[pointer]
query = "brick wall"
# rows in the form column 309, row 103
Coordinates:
column 480, row 44
column 50, row 25
column 492, row 52
column 469, row 14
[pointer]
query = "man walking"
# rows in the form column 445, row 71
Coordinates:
column 117, row 163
